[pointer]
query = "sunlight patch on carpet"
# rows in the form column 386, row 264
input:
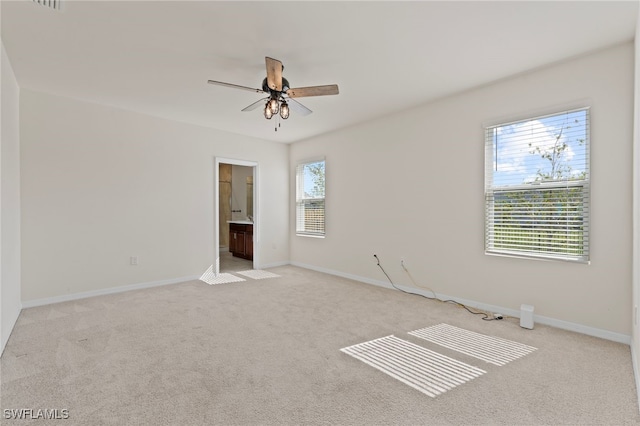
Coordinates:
column 208, row 274
column 258, row 274
column 490, row 349
column 424, row 370
column 211, row 278
column 223, row 279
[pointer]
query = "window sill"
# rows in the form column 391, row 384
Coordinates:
column 534, row 257
column 309, row 235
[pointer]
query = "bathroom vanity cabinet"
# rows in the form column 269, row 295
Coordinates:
column 241, row 239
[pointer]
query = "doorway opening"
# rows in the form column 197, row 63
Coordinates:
column 236, row 215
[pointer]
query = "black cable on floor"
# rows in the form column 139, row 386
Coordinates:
column 486, row 316
column 398, row 288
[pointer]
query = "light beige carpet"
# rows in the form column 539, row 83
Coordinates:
column 268, row 352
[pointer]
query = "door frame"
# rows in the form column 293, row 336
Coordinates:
column 216, row 209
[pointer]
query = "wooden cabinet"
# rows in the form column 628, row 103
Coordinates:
column 241, row 240
column 248, row 242
column 237, row 242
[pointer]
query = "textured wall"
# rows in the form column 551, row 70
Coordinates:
column 410, row 186
column 102, row 184
column 10, row 202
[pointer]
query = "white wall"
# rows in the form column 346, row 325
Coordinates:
column 10, row 305
column 410, row 186
column 100, row 185
column 635, row 345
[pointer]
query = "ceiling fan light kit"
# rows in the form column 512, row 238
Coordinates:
column 267, row 112
column 284, row 110
column 273, row 105
column 277, row 87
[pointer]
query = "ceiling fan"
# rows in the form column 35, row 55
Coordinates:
column 277, row 87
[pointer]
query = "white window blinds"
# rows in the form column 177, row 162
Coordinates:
column 537, row 187
column 310, row 188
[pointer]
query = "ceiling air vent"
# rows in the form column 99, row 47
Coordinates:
column 53, row 4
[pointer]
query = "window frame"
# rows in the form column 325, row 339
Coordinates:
column 539, row 188
column 302, row 201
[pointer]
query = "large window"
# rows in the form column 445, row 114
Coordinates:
column 537, row 187
column 310, row 198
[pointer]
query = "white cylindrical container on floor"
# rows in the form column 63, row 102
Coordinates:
column 526, row 316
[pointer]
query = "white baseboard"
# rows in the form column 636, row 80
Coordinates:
column 565, row 325
column 553, row 322
column 104, row 291
column 273, row 265
column 113, row 290
column 12, row 321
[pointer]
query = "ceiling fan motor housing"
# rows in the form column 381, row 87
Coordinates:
column 267, row 89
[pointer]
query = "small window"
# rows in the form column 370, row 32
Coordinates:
column 310, row 198
column 537, row 187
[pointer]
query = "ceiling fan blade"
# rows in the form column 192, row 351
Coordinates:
column 274, row 73
column 235, row 86
column 255, row 105
column 298, row 107
column 331, row 89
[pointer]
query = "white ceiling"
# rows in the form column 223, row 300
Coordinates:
column 155, row 57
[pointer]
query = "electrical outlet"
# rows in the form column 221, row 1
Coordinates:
column 133, row 260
